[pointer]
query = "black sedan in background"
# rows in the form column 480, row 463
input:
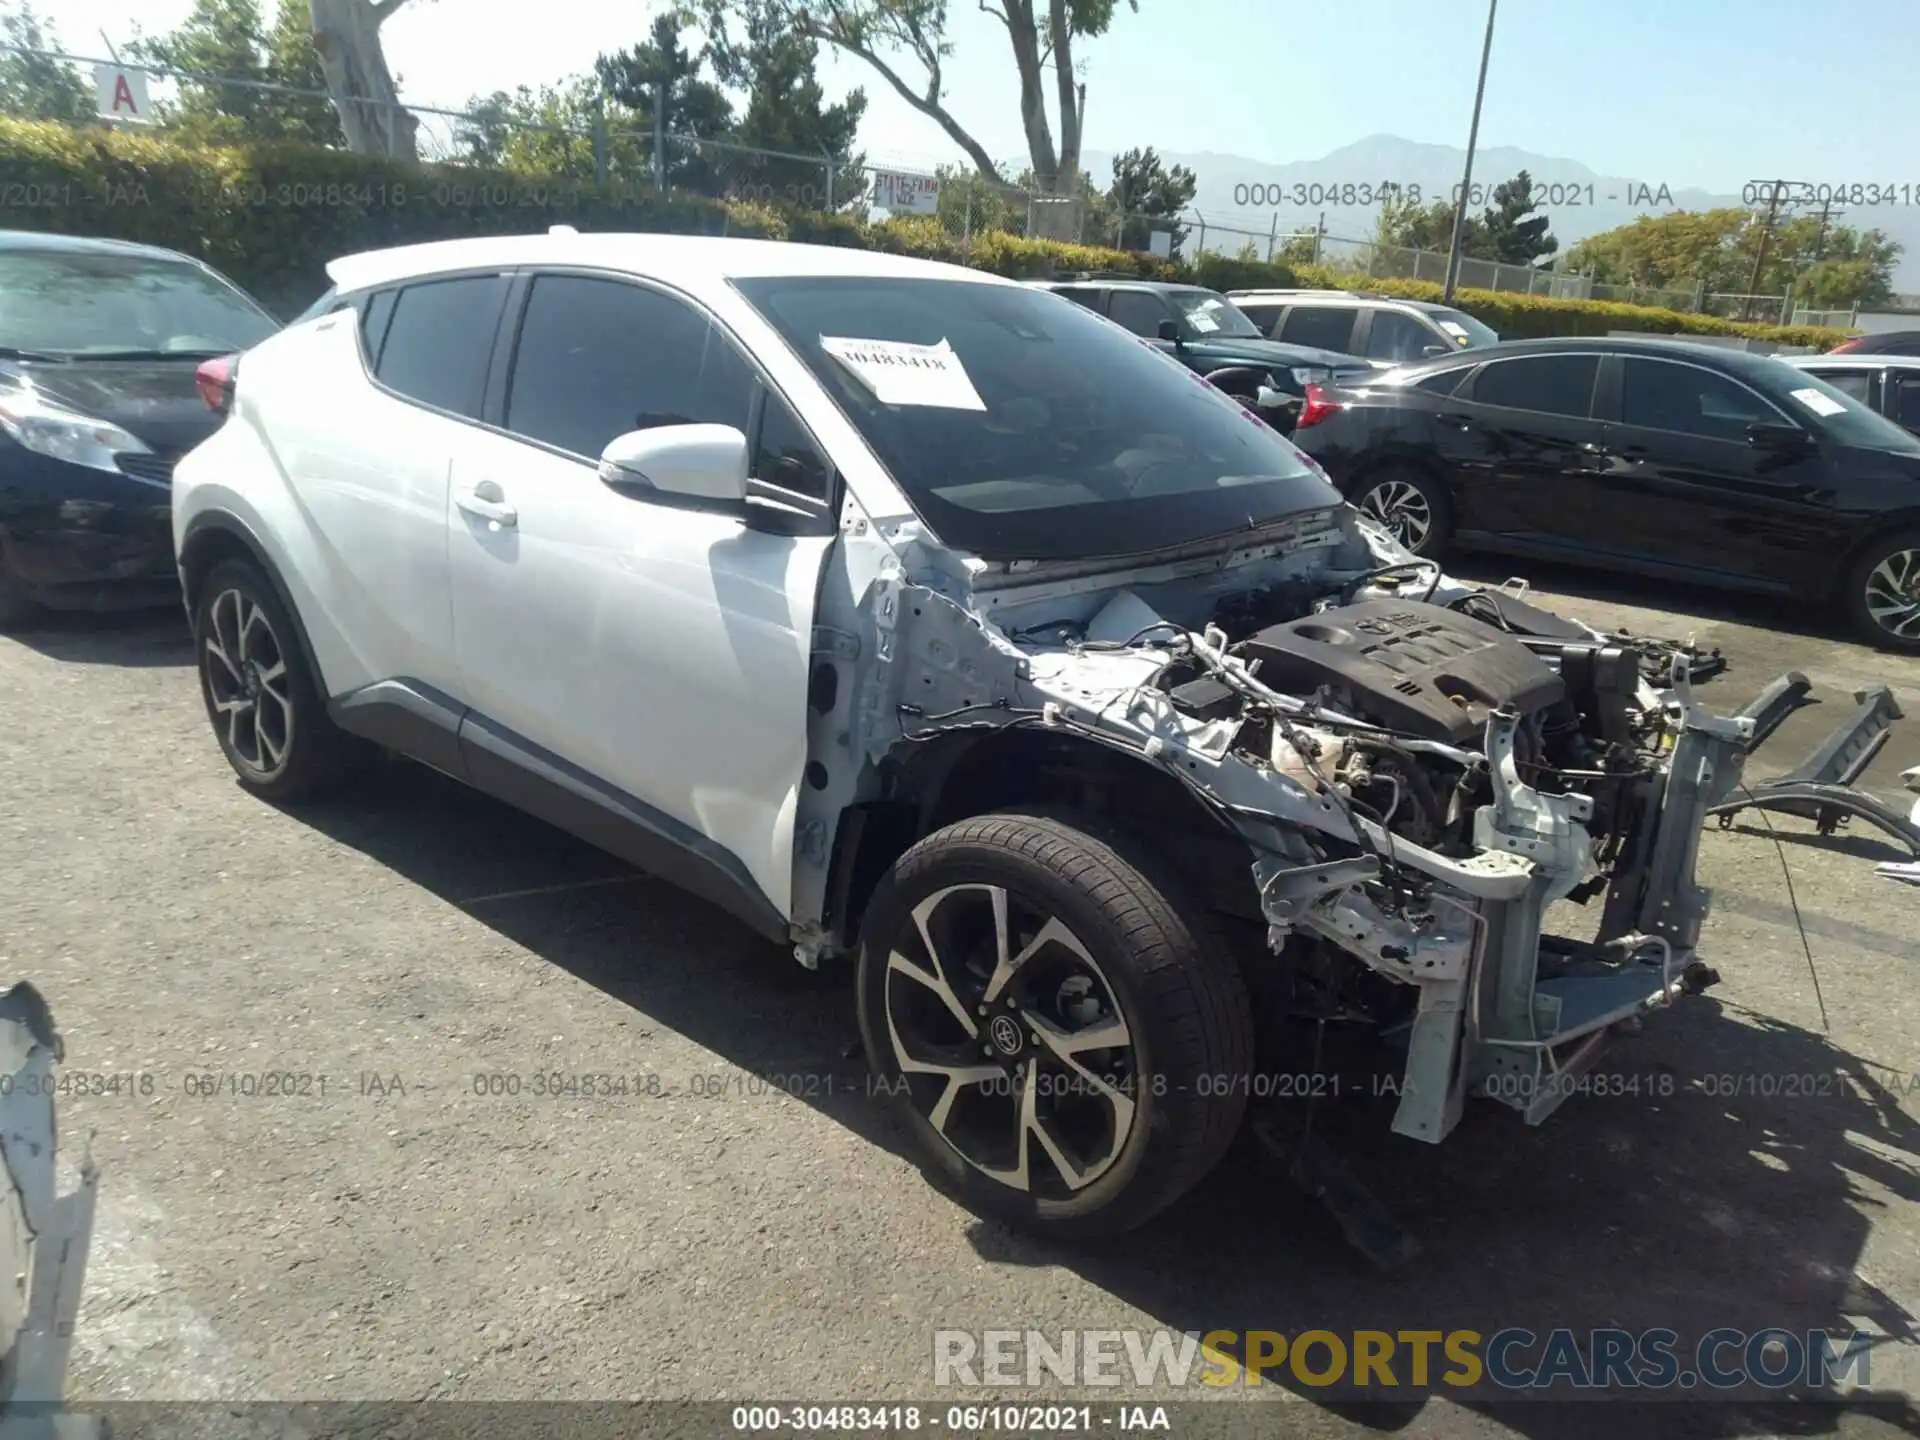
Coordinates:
column 1659, row 457
column 100, row 344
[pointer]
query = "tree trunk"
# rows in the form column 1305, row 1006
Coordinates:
column 346, row 36
column 1072, row 100
column 1033, row 100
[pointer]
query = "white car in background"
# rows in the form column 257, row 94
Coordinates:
column 915, row 615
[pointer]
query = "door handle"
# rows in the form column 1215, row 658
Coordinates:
column 1592, row 447
column 488, row 501
column 1463, row 422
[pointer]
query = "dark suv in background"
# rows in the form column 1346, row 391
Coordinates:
column 1205, row 332
column 1659, row 457
column 1382, row 328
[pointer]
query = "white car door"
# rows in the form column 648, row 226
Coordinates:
column 365, row 436
column 650, row 659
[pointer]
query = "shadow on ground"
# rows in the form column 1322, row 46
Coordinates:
column 1695, row 601
column 129, row 639
column 1712, row 1198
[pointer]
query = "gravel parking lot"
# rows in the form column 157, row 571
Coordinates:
column 382, row 1227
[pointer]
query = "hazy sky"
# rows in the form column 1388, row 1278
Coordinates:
column 1681, row 92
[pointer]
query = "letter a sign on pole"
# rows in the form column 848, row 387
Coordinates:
column 120, row 93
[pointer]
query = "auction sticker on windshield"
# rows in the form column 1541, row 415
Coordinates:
column 1458, row 332
column 1818, row 403
column 902, row 374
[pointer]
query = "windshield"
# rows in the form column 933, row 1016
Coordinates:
column 1022, row 428
column 75, row 304
column 1210, row 316
column 1841, row 417
column 1463, row 329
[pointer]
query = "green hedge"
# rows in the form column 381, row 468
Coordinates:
column 272, row 215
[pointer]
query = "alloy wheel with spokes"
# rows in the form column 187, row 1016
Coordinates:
column 1892, row 594
column 248, row 684
column 260, row 689
column 1404, row 509
column 1038, row 1001
column 1011, row 1040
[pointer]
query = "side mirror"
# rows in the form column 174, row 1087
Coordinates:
column 1428, row 352
column 1170, row 330
column 704, row 464
column 1777, row 438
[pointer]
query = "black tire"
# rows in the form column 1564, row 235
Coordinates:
column 1158, row 968
column 1889, row 565
column 266, row 710
column 1401, row 490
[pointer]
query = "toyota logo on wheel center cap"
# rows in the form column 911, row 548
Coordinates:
column 1005, row 1035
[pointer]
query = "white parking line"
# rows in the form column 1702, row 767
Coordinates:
column 137, row 1338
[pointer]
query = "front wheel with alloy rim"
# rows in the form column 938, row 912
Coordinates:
column 1409, row 505
column 1059, row 1027
column 1883, row 592
column 259, row 689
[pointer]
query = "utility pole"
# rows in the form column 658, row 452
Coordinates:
column 1774, row 189
column 1466, row 178
column 660, row 133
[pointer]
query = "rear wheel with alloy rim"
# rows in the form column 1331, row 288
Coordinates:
column 1409, row 505
column 1883, row 592
column 259, row 689
column 1063, row 1034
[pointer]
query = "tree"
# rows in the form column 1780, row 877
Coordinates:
column 774, row 65
column 226, row 39
column 1407, row 224
column 549, row 132
column 1828, row 266
column 1511, row 230
column 346, row 37
column 1146, row 195
column 972, row 203
column 32, row 86
column 696, row 108
column 900, row 37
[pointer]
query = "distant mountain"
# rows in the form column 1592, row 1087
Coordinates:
column 1252, row 197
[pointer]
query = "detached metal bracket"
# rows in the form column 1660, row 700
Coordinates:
column 1820, row 788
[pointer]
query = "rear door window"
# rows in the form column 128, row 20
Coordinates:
column 1323, row 327
column 440, row 340
column 1262, row 315
column 1085, row 295
column 1544, row 384
column 1140, row 311
column 1398, row 337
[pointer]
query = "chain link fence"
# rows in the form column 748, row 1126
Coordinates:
column 591, row 144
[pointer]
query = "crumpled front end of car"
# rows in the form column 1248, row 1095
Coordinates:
column 1420, row 771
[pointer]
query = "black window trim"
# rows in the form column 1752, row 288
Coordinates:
column 475, row 272
column 506, row 350
column 1620, row 359
column 1467, row 390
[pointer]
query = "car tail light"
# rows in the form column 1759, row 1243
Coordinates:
column 215, row 380
column 1317, row 408
column 1846, row 345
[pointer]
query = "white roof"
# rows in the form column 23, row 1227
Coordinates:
column 1850, row 360
column 696, row 258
